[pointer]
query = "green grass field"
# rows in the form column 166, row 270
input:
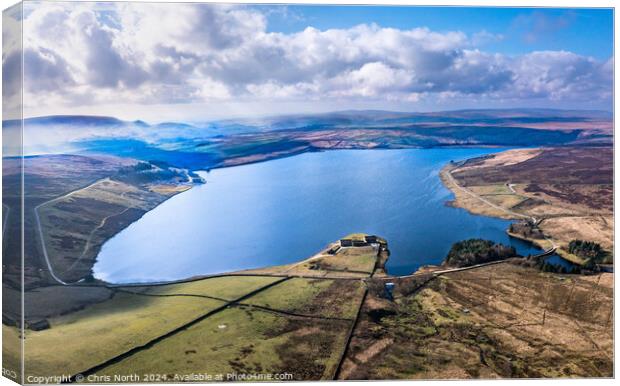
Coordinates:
column 80, row 340
column 490, row 189
column 347, row 262
column 228, row 287
column 351, row 259
column 327, row 298
column 243, row 341
column 505, row 200
column 301, row 329
column 240, row 336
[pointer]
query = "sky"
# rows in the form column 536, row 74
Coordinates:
column 197, row 62
column 586, row 32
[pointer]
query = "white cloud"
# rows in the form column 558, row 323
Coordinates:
column 560, row 74
column 140, row 53
column 373, row 79
column 11, row 64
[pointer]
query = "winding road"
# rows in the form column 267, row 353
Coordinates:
column 474, row 195
column 92, row 233
column 40, row 229
column 533, row 219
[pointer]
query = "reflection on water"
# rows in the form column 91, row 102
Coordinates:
column 284, row 210
column 560, row 263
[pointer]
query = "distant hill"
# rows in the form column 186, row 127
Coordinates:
column 526, row 112
column 393, row 119
column 346, row 118
column 92, row 120
column 228, row 142
column 83, row 120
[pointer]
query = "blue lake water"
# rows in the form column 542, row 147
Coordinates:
column 284, row 210
column 558, row 261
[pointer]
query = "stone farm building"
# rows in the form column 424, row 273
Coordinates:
column 368, row 240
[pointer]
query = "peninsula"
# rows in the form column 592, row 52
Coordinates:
column 557, row 196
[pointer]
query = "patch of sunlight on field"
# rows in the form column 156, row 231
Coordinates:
column 440, row 310
column 227, row 287
column 351, row 259
column 593, row 228
column 328, row 298
column 470, row 203
column 306, row 268
column 83, row 339
column 242, row 341
column 490, row 189
column 505, row 201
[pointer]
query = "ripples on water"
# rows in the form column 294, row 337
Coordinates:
column 284, row 210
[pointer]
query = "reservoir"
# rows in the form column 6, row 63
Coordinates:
column 285, row 210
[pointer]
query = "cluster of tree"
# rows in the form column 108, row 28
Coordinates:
column 586, row 249
column 558, row 268
column 555, row 264
column 477, row 251
column 148, row 172
column 526, row 229
column 591, row 252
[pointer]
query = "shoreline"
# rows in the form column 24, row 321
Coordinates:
column 312, row 149
column 178, row 189
column 287, row 270
column 205, row 170
column 466, row 203
column 450, row 182
column 98, row 248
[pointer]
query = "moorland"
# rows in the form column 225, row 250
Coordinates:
column 559, row 194
column 327, row 316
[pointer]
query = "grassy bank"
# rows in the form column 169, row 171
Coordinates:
column 260, row 322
